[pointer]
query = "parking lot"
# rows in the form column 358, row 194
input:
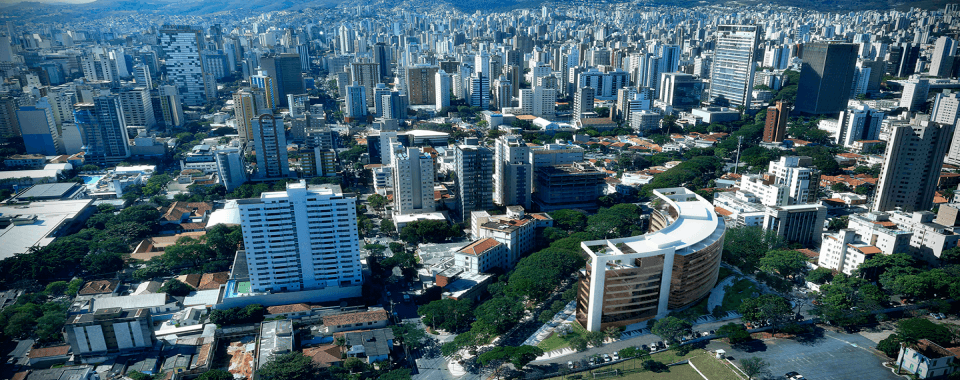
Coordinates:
column 827, row 356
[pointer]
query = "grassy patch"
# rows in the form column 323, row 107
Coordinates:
column 713, row 369
column 738, row 292
column 555, row 341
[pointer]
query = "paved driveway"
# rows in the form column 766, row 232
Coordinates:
column 831, row 356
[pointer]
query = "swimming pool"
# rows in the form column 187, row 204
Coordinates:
column 91, row 179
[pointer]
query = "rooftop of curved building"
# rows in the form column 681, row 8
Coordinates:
column 694, row 226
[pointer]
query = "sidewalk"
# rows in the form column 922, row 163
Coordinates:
column 567, row 315
column 717, row 293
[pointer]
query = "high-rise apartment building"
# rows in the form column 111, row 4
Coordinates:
column 474, row 166
column 914, row 95
column 381, row 56
column 366, row 74
column 826, row 77
column 137, row 107
column 181, row 45
column 268, row 84
column 731, row 77
column 171, row 107
column 775, row 127
column 444, row 86
column 941, row 63
column 249, row 103
column 634, row 279
column 304, row 238
column 356, row 102
column 421, row 85
column 105, row 133
column 946, row 108
column 912, row 166
column 582, row 102
column 8, row 116
column 858, row 123
column 800, row 177
column 538, row 101
column 413, row 180
column 230, row 168
column 270, row 144
column 141, row 74
column 512, row 172
column 479, row 90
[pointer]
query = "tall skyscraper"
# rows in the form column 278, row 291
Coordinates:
column 137, row 107
column 775, row 127
column 170, row 106
column 381, row 58
column 731, row 77
column 249, row 103
column 285, row 70
column 914, row 95
column 356, row 101
column 941, row 64
column 230, row 168
column 262, row 80
column 474, row 167
column 181, row 45
column 270, row 144
column 480, row 90
column 412, row 181
column 444, row 85
column 680, row 91
column 141, row 74
column 366, row 74
column 304, row 238
column 8, row 116
column 825, row 77
column 105, row 133
column 513, row 172
column 912, row 166
column 39, row 129
column 420, row 84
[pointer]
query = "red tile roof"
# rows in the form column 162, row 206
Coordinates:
column 99, row 287
column 354, row 318
column 325, row 355
column 291, row 308
column 480, row 246
column 213, row 280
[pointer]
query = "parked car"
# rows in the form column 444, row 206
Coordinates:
column 615, row 356
column 942, row 316
column 607, row 358
column 406, row 298
column 934, row 315
column 570, row 365
column 644, row 347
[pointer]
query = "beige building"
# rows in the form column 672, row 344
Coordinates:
column 634, row 279
column 912, row 166
column 421, row 84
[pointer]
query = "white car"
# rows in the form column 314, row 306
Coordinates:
column 615, row 356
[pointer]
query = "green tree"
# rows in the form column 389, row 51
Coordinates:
column 915, row 329
column 768, row 308
column 671, row 329
column 397, row 374
column 745, row 246
column 377, row 201
column 410, row 334
column 56, row 288
column 500, row 313
column 594, row 338
column 216, row 374
column 570, row 220
column 820, row 276
column 136, row 375
column 786, row 263
column 176, row 288
column 387, row 226
column 448, row 314
column 753, row 366
column 289, row 366
column 735, row 333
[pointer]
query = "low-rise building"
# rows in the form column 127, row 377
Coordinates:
column 844, row 251
column 109, row 331
column 363, row 320
column 369, row 346
column 927, row 360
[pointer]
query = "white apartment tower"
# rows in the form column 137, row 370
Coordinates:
column 444, row 85
column 799, row 176
column 512, row 172
column 413, row 184
column 301, row 239
column 538, row 101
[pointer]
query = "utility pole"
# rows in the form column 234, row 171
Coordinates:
column 739, row 142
